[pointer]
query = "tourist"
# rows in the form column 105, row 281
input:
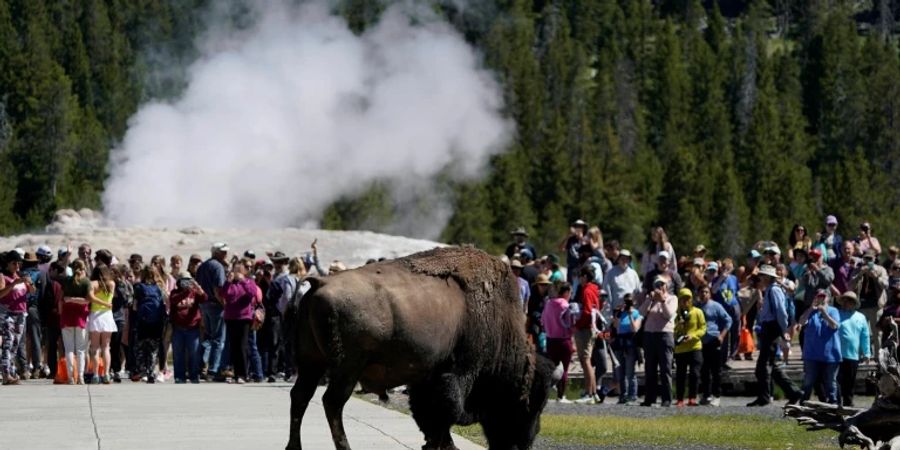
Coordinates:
column 240, row 294
column 193, row 264
column 524, row 287
column 855, row 345
column 123, row 299
column 830, row 242
column 520, row 242
column 136, row 263
column 540, row 294
column 176, row 268
column 866, row 241
column 211, row 277
column 620, row 281
column 773, row 322
column 29, row 349
column 890, row 315
column 843, row 268
column 570, row 245
column 724, row 286
column 73, row 319
column 690, row 327
column 84, row 255
column 150, row 311
column 870, row 282
column 557, row 323
column 658, row 310
column 626, row 324
column 798, row 240
column 664, row 270
column 892, row 257
column 821, row 347
column 588, row 297
column 818, row 276
column 50, row 306
column 718, row 324
column 659, row 243
column 101, row 323
column 14, row 290
column 184, row 304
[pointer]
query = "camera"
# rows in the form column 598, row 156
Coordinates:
column 681, row 339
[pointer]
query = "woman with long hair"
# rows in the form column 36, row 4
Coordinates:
column 798, row 240
column 166, row 283
column 149, row 305
column 241, row 297
column 659, row 242
column 74, row 312
column 101, row 324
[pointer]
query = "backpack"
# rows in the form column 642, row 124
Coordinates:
column 151, row 309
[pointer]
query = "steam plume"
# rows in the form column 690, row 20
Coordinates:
column 281, row 119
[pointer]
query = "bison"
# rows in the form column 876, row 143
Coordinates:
column 447, row 323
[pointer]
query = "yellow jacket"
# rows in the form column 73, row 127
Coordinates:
column 691, row 323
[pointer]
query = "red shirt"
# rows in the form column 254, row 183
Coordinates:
column 590, row 300
column 186, row 315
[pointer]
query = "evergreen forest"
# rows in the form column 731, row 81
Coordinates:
column 726, row 122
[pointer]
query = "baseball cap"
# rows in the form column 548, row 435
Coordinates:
column 831, row 220
column 219, row 247
column 699, row 262
column 712, row 267
column 815, row 254
column 700, row 248
column 195, row 257
column 580, row 223
column 625, row 252
column 659, row 281
column 63, row 251
column 44, row 251
column 663, row 255
column 755, row 254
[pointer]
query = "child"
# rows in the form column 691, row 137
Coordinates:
column 150, row 310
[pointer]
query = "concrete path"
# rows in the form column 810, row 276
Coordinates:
column 166, row 416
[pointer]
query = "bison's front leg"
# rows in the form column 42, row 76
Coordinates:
column 302, row 392
column 436, row 405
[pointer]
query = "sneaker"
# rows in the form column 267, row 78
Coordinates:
column 757, row 402
column 598, row 399
column 167, row 374
column 270, row 379
column 692, row 402
column 160, row 378
column 679, row 404
column 37, row 374
column 105, row 379
column 136, row 378
column 151, row 380
column 195, row 381
column 117, row 378
column 179, row 381
column 563, row 401
column 714, row 402
column 665, row 404
column 241, row 381
column 622, row 401
column 71, row 382
column 587, row 399
column 705, row 401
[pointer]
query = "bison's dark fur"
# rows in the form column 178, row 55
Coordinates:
column 447, row 323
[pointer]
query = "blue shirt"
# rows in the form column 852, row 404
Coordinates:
column 821, row 343
column 626, row 320
column 727, row 292
column 773, row 309
column 717, row 319
column 524, row 290
column 854, row 333
column 211, row 275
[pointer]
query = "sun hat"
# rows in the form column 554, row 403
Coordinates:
column 869, row 253
column 30, row 258
column 520, row 231
column 850, row 295
column 516, row 264
column 580, row 223
column 768, row 270
column 625, row 252
column 542, row 278
column 700, row 249
column 279, row 257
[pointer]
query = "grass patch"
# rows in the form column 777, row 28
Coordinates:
column 731, row 431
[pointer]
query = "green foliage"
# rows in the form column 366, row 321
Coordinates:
column 629, row 114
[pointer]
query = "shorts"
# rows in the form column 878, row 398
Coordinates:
column 584, row 343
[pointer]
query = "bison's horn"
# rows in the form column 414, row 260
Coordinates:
column 558, row 373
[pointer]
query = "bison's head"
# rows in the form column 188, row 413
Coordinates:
column 517, row 428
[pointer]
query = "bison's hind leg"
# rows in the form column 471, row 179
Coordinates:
column 342, row 380
column 304, row 388
column 436, row 405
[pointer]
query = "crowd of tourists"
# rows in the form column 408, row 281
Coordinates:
column 839, row 297
column 95, row 318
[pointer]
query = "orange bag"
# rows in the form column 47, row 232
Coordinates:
column 62, row 373
column 746, row 344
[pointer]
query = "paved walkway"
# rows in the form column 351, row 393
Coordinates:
column 140, row 416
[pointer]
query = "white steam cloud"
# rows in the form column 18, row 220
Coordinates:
column 282, row 119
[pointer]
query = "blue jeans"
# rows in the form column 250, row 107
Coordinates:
column 256, row 371
column 820, row 372
column 626, row 375
column 186, row 344
column 214, row 337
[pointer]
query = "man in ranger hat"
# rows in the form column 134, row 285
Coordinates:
column 773, row 321
column 520, row 242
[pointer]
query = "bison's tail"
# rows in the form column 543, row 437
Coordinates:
column 297, row 324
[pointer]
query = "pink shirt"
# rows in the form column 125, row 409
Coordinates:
column 552, row 318
column 659, row 317
column 16, row 301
